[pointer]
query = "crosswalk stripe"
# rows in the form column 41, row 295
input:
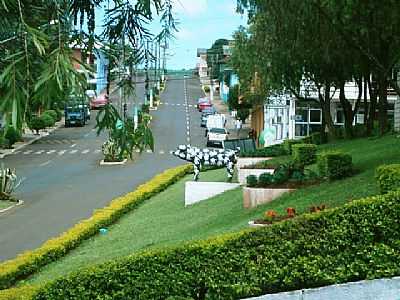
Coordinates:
column 73, row 151
column 28, row 152
column 16, row 152
column 162, row 152
column 85, row 151
column 97, row 151
column 39, row 152
column 51, row 151
column 62, row 152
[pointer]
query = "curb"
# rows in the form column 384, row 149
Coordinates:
column 19, row 203
column 103, row 163
column 23, row 145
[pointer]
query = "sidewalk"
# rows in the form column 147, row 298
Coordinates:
column 29, row 137
column 222, row 108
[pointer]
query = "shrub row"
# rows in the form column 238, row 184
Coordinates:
column 29, row 262
column 357, row 241
column 270, row 151
column 388, row 177
column 334, row 165
column 288, row 144
column 304, row 154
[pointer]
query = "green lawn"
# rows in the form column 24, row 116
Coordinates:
column 163, row 220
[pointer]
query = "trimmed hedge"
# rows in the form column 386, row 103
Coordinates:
column 334, row 165
column 357, row 241
column 388, row 177
column 287, row 144
column 270, row 151
column 304, row 154
column 31, row 261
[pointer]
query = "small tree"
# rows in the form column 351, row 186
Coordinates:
column 37, row 123
column 12, row 136
column 243, row 114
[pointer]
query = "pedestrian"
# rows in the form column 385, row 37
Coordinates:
column 238, row 126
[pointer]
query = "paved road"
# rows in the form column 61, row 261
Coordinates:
column 63, row 182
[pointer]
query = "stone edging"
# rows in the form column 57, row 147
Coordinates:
column 19, row 203
column 117, row 163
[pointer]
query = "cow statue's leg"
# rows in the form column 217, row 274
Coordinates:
column 230, row 170
column 196, row 168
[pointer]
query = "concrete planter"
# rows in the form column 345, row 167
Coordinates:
column 253, row 197
column 243, row 173
column 114, row 163
column 247, row 161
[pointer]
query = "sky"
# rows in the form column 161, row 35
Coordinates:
column 201, row 22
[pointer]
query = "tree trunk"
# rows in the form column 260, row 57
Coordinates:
column 373, row 92
column 347, row 111
column 383, row 104
column 325, row 103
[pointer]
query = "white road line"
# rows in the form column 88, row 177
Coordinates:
column 73, row 145
column 45, row 163
column 162, row 152
column 94, row 129
column 51, row 151
column 73, row 151
column 178, row 104
column 188, row 139
column 39, row 152
column 28, row 152
column 97, row 151
column 166, row 103
column 61, row 152
column 86, row 151
column 16, row 152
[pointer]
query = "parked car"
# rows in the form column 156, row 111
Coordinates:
column 204, row 115
column 99, row 101
column 203, row 103
column 216, row 136
column 91, row 94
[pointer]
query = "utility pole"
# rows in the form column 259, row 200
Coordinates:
column 147, row 93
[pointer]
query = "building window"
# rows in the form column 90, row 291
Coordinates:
column 308, row 120
column 315, row 116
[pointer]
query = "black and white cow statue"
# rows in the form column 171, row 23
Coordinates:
column 208, row 157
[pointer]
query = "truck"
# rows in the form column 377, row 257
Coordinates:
column 76, row 111
column 215, row 121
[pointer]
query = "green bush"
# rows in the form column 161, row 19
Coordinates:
column 37, row 123
column 304, row 154
column 145, row 108
column 51, row 113
column 270, row 151
column 48, row 120
column 31, row 261
column 243, row 114
column 265, row 179
column 251, row 181
column 11, row 136
column 60, row 114
column 316, row 138
column 388, row 177
column 357, row 241
column 334, row 165
column 287, row 144
column 206, row 89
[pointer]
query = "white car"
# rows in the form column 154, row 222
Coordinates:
column 216, row 136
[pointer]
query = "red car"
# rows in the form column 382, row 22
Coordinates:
column 99, row 101
column 203, row 103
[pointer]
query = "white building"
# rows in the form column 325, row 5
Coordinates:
column 287, row 118
column 202, row 67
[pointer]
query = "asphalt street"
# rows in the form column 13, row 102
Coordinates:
column 62, row 179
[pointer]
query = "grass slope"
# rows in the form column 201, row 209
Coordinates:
column 164, row 220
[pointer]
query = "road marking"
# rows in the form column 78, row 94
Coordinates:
column 97, row 151
column 39, row 152
column 162, row 152
column 45, row 163
column 73, row 151
column 16, row 152
column 73, row 145
column 28, row 152
column 94, row 129
column 51, row 151
column 62, row 152
column 87, row 134
column 86, row 151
